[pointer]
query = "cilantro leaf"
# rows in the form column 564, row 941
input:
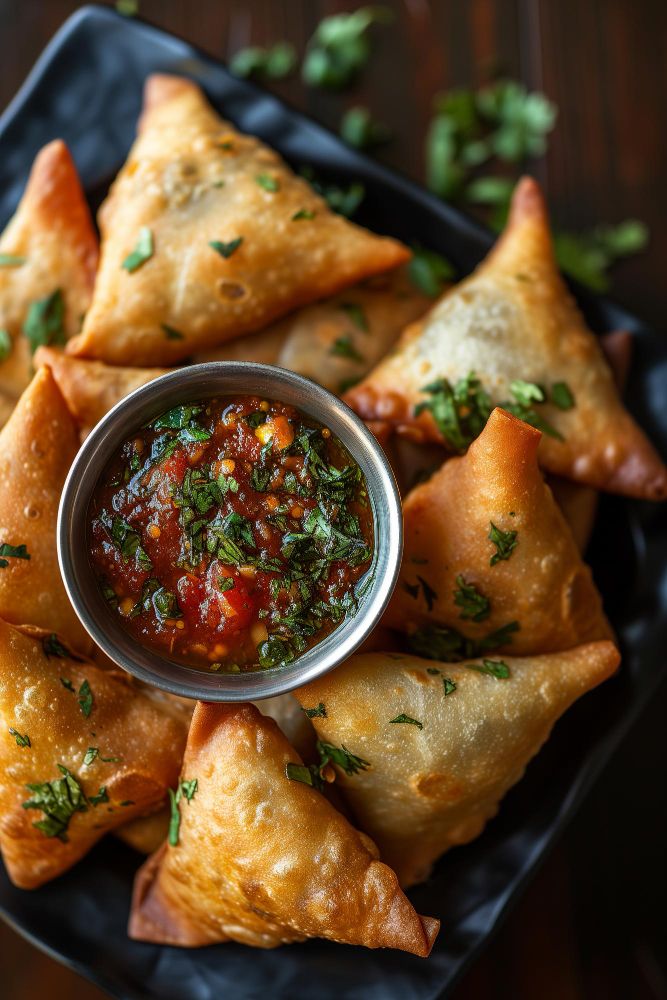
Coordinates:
column 44, row 324
column 59, row 800
column 406, row 718
column 273, row 63
column 268, row 183
column 473, row 603
column 21, row 741
column 313, row 713
column 343, row 347
column 504, row 541
column 226, row 249
column 340, row 48
column 8, row 551
column 6, row 344
column 561, row 396
column 429, row 271
column 359, row 129
column 85, row 699
column 494, row 668
column 12, row 260
column 143, row 251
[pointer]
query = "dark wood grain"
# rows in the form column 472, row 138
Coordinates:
column 589, row 927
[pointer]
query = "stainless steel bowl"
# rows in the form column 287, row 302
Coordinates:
column 189, row 385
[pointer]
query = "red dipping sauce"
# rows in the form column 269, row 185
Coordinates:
column 232, row 534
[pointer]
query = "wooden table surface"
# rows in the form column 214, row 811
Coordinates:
column 591, row 925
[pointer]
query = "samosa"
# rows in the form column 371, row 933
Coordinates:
column 37, row 447
column 264, row 859
column 489, row 561
column 441, row 743
column 512, row 335
column 48, row 258
column 82, row 751
column 207, row 234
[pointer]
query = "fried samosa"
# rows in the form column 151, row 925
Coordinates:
column 147, row 833
column 82, row 751
column 37, row 447
column 263, row 859
column 207, row 234
column 511, row 334
column 441, row 743
column 92, row 388
column 335, row 342
column 488, row 558
column 48, row 258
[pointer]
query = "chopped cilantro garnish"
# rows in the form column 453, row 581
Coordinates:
column 429, row 271
column 8, row 551
column 127, row 540
column 306, row 775
column 44, row 324
column 460, row 411
column 268, row 183
column 359, row 129
column 474, row 605
column 11, row 260
column 226, row 249
column 435, row 642
column 85, row 699
column 171, row 333
column 6, row 344
column 494, row 668
column 449, row 685
column 340, row 47
column 406, row 718
column 66, row 683
column 102, row 796
column 225, row 583
column 314, row 713
column 349, row 762
column 343, row 347
column 52, row 646
column 21, row 741
column 186, row 790
column 273, row 63
column 303, row 213
column 561, row 396
column 93, row 753
column 356, row 314
column 504, row 541
column 143, row 251
column 59, row 800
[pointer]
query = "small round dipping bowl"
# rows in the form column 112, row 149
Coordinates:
column 189, row 385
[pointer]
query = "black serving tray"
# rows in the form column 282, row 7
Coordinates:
column 86, row 89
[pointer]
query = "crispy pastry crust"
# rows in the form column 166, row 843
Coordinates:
column 265, row 860
column 513, row 318
column 191, row 178
column 544, row 584
column 52, row 229
column 37, row 447
column 126, row 724
column 428, row 790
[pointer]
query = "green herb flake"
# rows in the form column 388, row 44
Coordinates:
column 316, row 713
column 474, row 605
column 406, row 718
column 356, row 314
column 21, row 741
column 225, row 583
column 306, row 775
column 12, row 260
column 341, row 756
column 343, row 347
column 59, row 800
column 268, row 183
column 429, row 271
column 67, row 684
column 85, row 699
column 6, row 345
column 128, row 8
column 171, row 333
column 102, row 796
column 449, row 685
column 273, row 63
column 459, row 411
column 226, row 249
column 504, row 541
column 561, row 396
column 303, row 214
column 8, row 552
column 187, row 790
column 494, row 668
column 340, row 47
column 52, row 646
column 93, row 753
column 143, row 251
column 359, row 129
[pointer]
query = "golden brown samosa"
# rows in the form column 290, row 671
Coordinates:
column 486, row 547
column 82, row 751
column 48, row 258
column 37, row 447
column 207, row 234
column 92, row 388
column 263, row 859
column 512, row 332
column 443, row 742
column 338, row 341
